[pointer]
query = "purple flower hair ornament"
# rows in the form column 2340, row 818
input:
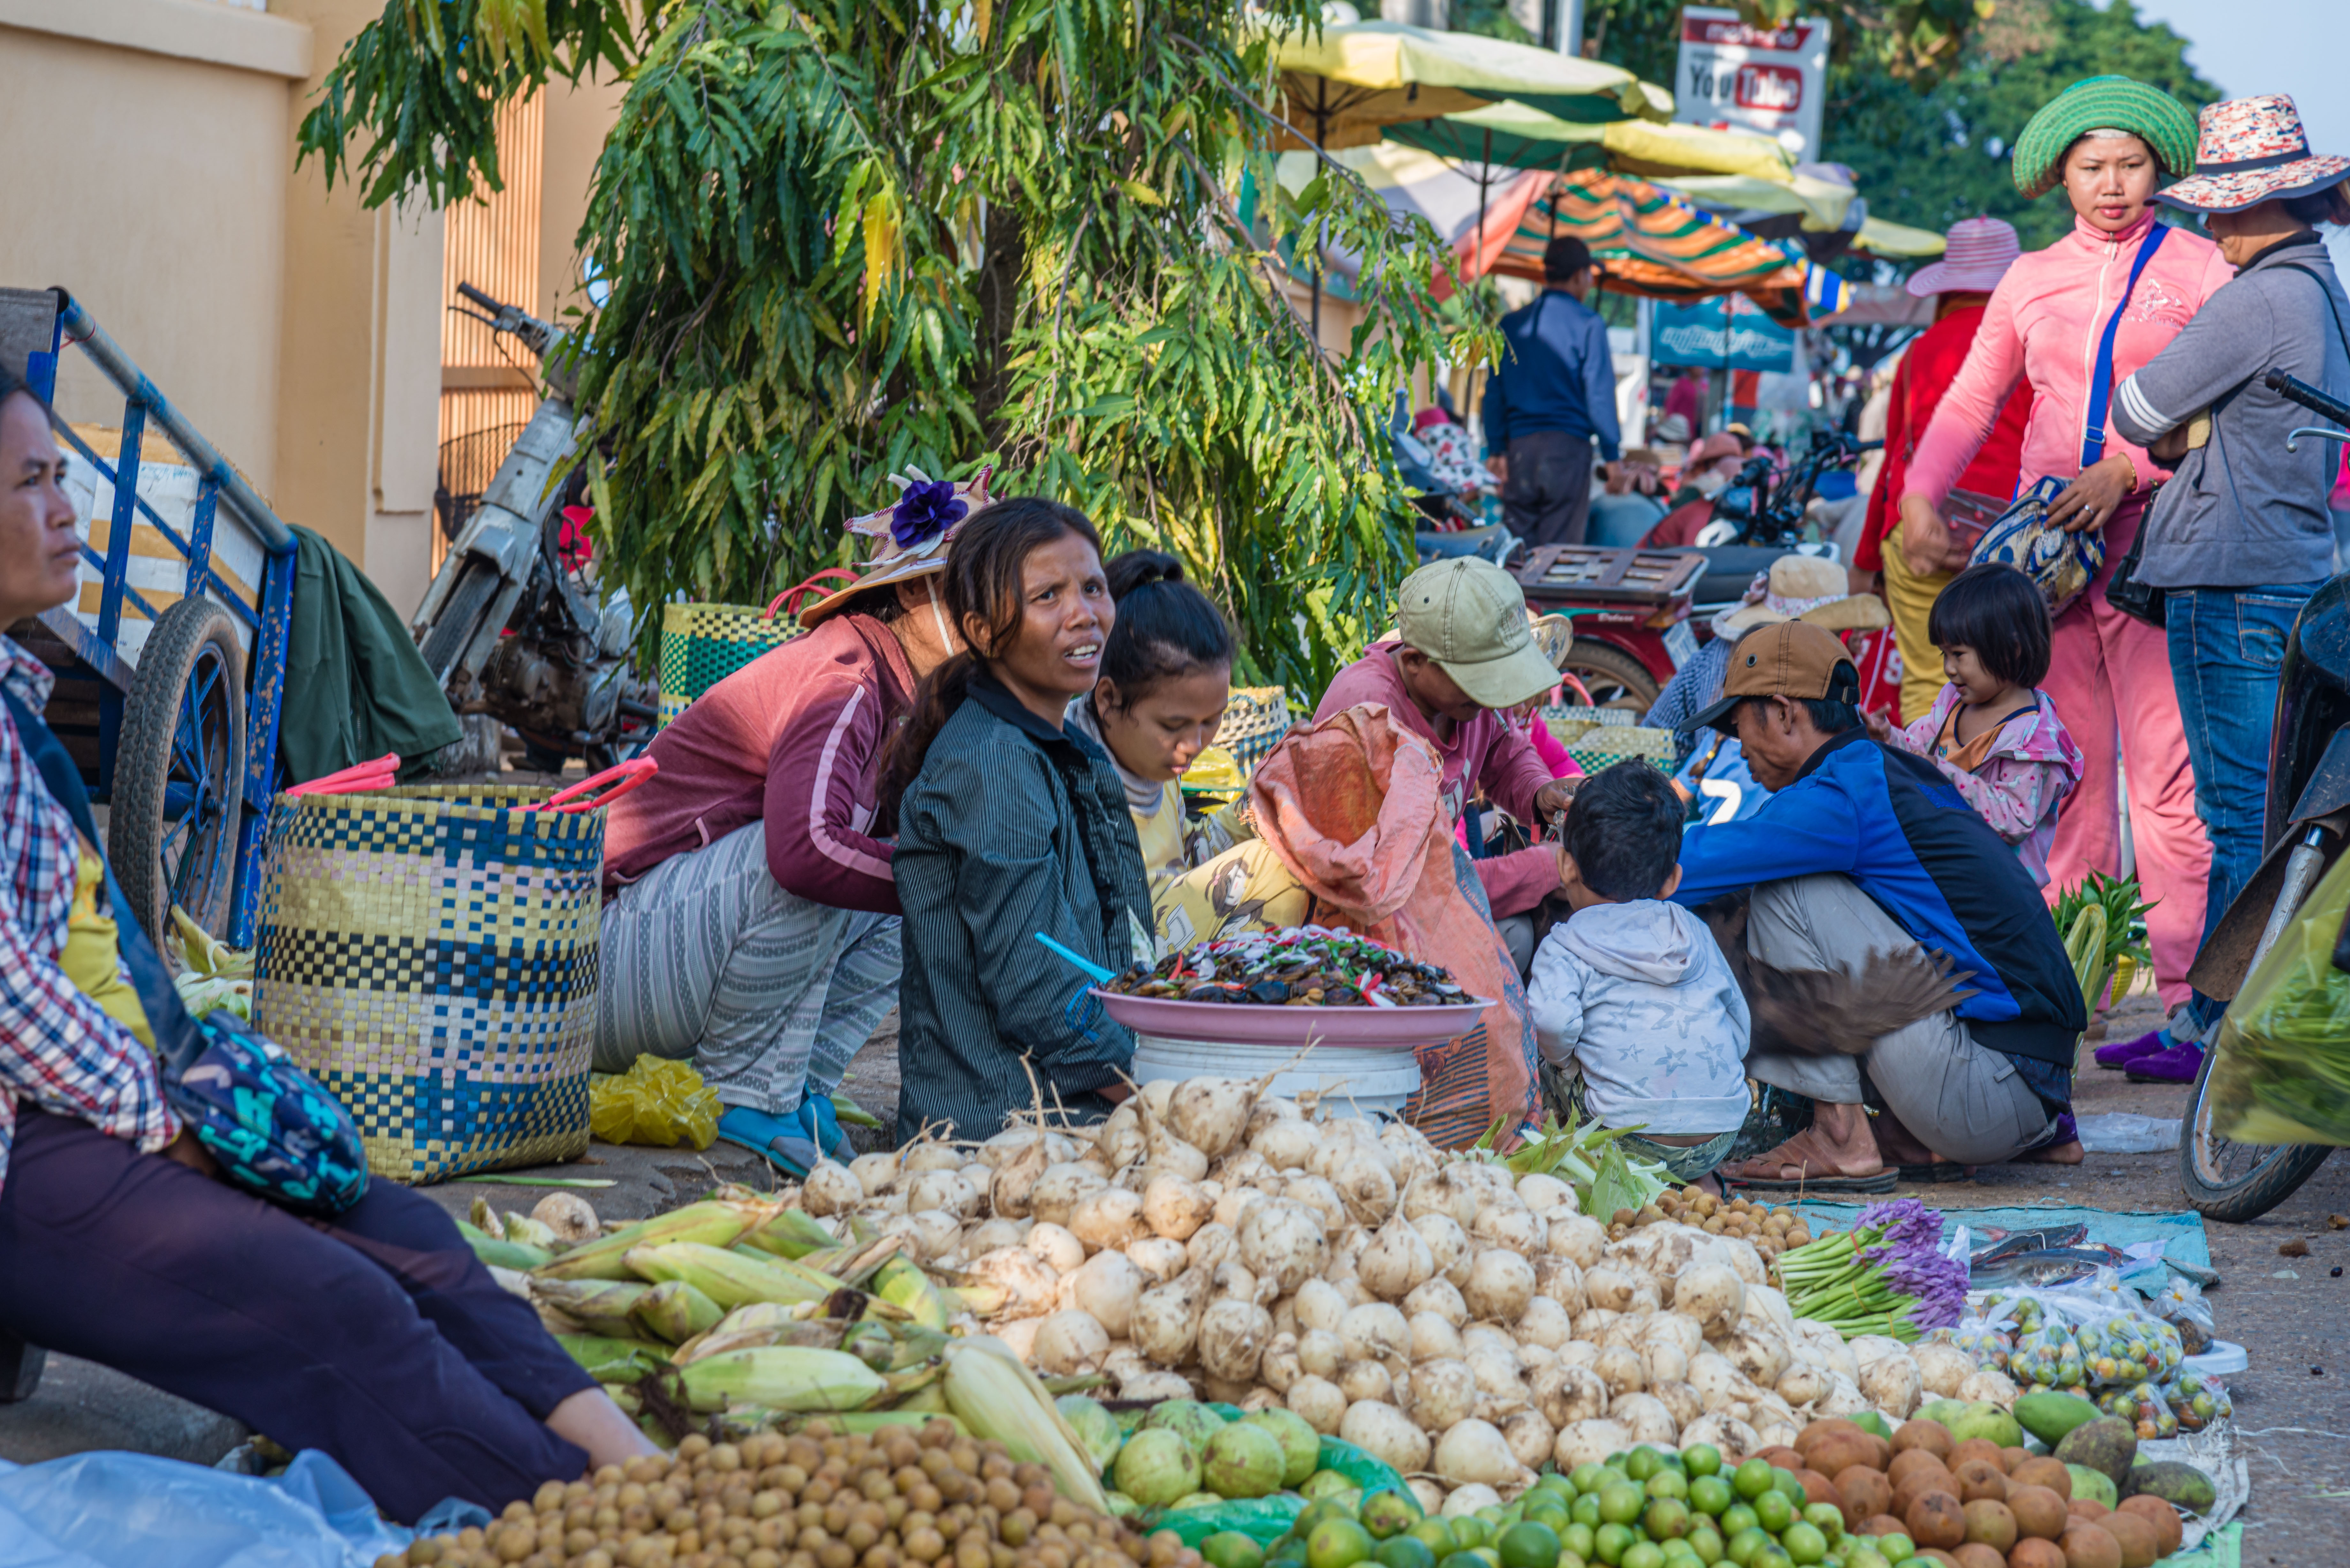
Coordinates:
column 924, row 510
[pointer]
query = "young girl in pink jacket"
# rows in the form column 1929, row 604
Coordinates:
column 2103, row 140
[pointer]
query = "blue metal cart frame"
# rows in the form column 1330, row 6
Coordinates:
column 243, row 801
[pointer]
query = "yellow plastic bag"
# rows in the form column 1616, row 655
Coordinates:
column 2282, row 1072
column 658, row 1102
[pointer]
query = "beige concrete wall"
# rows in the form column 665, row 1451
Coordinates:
column 145, row 141
column 578, row 121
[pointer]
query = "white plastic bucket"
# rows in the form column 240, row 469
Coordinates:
column 1360, row 1081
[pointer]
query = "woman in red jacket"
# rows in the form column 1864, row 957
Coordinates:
column 1979, row 251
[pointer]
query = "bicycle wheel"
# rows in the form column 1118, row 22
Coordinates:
column 2236, row 1182
column 179, row 768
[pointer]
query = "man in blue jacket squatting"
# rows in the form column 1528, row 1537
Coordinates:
column 1867, row 850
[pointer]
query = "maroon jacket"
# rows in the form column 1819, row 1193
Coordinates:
column 794, row 738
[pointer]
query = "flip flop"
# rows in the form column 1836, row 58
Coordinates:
column 781, row 1141
column 1881, row 1181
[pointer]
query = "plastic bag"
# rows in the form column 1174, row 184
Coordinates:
column 2198, row 1399
column 2179, row 1303
column 109, row 1509
column 2283, row 1073
column 657, row 1102
column 2143, row 1405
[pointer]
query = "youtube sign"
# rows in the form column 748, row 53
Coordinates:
column 1766, row 80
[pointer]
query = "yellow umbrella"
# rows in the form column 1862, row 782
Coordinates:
column 1343, row 84
column 1822, row 202
column 1879, row 237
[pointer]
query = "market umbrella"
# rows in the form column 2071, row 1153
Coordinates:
column 1651, row 244
column 1343, row 84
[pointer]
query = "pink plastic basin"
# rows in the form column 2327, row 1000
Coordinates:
column 1246, row 1024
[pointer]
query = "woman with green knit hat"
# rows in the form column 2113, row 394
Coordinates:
column 2074, row 320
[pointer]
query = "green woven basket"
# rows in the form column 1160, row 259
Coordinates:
column 1255, row 718
column 430, row 955
column 703, row 644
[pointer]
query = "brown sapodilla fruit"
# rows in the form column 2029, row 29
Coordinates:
column 1880, row 1524
column 1815, row 1432
column 2033, row 1552
column 1931, row 1436
column 1974, row 1554
column 1865, row 1494
column 2011, row 1457
column 1818, row 1488
column 1918, row 1484
column 1909, row 1461
column 2039, row 1513
column 1832, row 1451
column 1936, row 1520
column 2087, row 1507
column 1936, row 1555
column 1980, row 1479
column 2161, row 1515
column 1991, row 1524
column 2041, row 1470
column 2139, row 1542
column 1782, row 1458
column 2086, row 1545
column 1981, row 1449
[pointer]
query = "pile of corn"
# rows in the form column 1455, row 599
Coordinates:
column 905, row 1496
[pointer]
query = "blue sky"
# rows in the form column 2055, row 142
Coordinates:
column 2297, row 46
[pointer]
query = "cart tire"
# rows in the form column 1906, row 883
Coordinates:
column 1614, row 678
column 461, row 616
column 179, row 772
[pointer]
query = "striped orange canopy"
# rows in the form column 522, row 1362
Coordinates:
column 1647, row 243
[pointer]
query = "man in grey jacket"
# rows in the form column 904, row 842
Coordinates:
column 2241, row 536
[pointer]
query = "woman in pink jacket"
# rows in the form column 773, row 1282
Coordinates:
column 2103, row 140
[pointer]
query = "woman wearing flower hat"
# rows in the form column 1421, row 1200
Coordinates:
column 2241, row 535
column 2072, row 321
column 751, row 920
column 1977, row 253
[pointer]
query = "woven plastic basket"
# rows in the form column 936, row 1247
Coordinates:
column 1255, row 718
column 703, row 644
column 430, row 955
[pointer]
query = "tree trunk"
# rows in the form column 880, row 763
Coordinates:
column 1002, row 273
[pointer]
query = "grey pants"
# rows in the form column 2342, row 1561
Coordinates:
column 770, row 994
column 1960, row 1099
column 1548, row 498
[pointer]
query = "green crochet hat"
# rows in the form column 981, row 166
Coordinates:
column 2103, row 103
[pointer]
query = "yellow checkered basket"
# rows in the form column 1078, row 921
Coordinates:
column 1255, row 718
column 430, row 955
column 703, row 644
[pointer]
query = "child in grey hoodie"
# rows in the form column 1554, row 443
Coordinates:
column 1632, row 990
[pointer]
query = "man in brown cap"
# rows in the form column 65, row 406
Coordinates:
column 1865, row 854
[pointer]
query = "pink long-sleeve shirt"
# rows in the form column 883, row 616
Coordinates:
column 794, row 738
column 1483, row 753
column 2044, row 322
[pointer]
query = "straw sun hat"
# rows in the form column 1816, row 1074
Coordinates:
column 2251, row 151
column 909, row 539
column 1806, row 588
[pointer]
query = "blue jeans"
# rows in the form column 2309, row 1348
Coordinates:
column 2226, row 645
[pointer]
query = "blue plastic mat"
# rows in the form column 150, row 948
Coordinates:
column 2180, row 1233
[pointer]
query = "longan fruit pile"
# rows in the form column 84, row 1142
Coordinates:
column 1772, row 1231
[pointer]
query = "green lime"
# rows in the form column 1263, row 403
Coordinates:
column 1774, row 1556
column 1665, row 1517
column 1825, row 1517
column 1804, row 1544
column 1462, row 1560
column 1644, row 1462
column 1387, row 1513
column 1668, row 1483
column 1677, row 1550
column 1753, row 1478
column 1587, row 1477
column 1529, row 1545
column 1485, row 1555
column 1324, row 1483
column 1895, row 1547
column 1231, row 1549
column 1772, row 1512
column 1289, row 1554
column 1743, row 1546
column 1702, row 1460
column 1609, row 1543
column 1706, row 1542
column 1576, row 1538
column 1864, row 1557
column 1470, row 1532
column 1709, row 1495
column 1644, row 1554
column 1738, row 1516
column 1621, row 1503
column 1585, row 1509
column 1338, row 1543
column 1571, row 1559
column 1403, row 1551
column 1792, row 1484
column 1436, row 1534
column 1548, row 1511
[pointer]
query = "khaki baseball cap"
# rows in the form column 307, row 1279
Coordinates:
column 1791, row 659
column 1469, row 616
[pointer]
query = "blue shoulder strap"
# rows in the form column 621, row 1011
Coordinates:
column 179, row 1039
column 2101, row 386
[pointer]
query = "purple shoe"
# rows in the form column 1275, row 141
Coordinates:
column 2176, row 1065
column 2128, row 1051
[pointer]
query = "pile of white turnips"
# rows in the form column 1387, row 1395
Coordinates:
column 1464, row 1323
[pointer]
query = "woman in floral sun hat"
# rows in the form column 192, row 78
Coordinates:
column 2241, row 535
column 751, row 920
column 2118, row 278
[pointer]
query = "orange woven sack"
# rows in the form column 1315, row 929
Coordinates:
column 1350, row 807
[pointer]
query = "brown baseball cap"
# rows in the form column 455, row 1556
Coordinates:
column 1791, row 659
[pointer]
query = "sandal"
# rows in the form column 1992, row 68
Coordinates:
column 781, row 1141
column 1875, row 1181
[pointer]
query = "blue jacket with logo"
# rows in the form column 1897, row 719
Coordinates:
column 1894, row 824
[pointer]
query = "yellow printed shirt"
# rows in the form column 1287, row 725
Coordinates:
column 92, row 959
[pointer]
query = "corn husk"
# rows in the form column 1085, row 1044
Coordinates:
column 782, row 1377
column 998, row 1397
column 726, row 1277
column 901, row 1282
column 714, row 1222
column 599, row 1306
column 676, row 1311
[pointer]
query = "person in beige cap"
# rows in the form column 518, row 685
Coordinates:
column 1462, row 655
column 1865, row 861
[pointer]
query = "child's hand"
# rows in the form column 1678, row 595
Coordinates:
column 1880, row 728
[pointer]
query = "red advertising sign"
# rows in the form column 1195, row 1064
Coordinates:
column 1766, row 80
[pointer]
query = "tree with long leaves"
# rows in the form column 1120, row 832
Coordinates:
column 866, row 235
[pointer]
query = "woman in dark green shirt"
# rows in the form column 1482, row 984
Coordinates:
column 1007, row 826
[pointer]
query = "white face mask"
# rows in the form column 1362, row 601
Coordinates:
column 1711, row 483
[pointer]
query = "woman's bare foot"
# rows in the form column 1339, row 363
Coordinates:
column 2066, row 1153
column 1899, row 1146
column 1837, row 1143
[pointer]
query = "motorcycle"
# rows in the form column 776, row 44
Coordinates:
column 2308, row 824
column 512, row 626
column 1759, row 516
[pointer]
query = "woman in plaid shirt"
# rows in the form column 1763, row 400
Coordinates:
column 377, row 1338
